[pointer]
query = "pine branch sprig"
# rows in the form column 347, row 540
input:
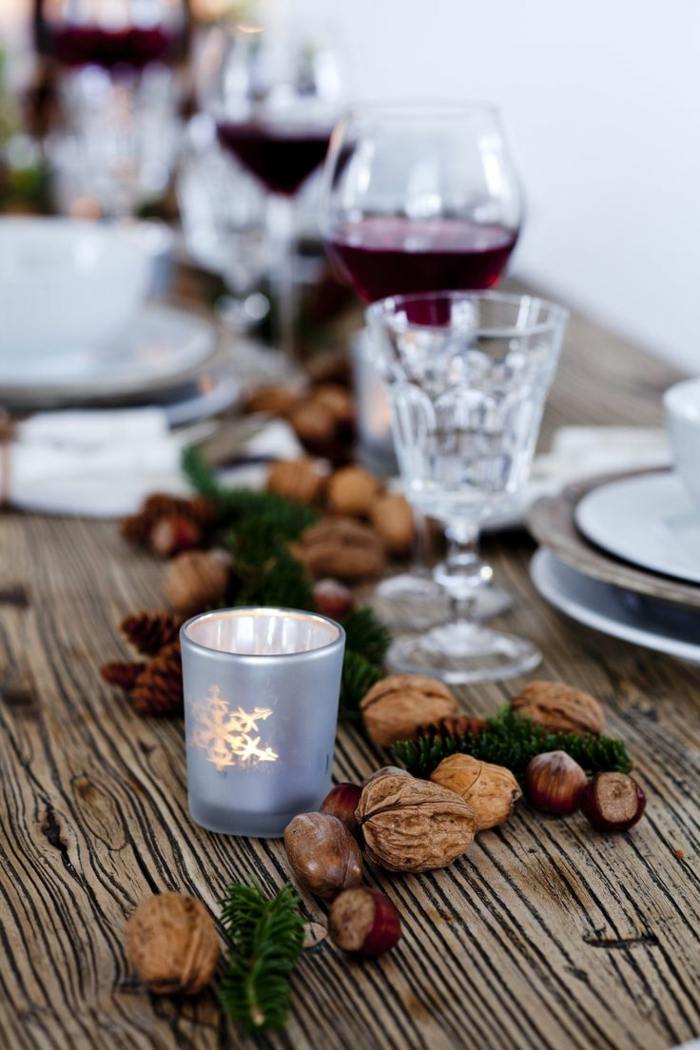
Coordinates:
column 264, row 940
column 366, row 635
column 511, row 740
column 359, row 675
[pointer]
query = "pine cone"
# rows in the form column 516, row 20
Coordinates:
column 151, row 632
column 158, row 690
column 137, row 528
column 458, row 726
column 122, row 675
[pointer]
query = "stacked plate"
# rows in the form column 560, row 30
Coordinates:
column 622, row 554
column 78, row 328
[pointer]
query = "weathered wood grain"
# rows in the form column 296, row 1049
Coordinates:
column 545, row 934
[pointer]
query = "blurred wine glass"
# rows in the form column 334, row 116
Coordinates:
column 275, row 102
column 118, row 98
column 420, row 197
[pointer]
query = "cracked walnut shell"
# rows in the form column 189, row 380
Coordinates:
column 352, row 490
column 342, row 548
column 397, row 706
column 413, row 825
column 560, row 707
column 171, row 941
column 490, row 790
column 392, row 517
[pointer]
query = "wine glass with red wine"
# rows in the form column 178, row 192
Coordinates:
column 275, row 105
column 421, row 197
column 118, row 95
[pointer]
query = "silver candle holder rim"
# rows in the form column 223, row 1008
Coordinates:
column 258, row 659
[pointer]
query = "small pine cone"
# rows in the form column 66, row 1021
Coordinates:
column 150, row 632
column 158, row 690
column 203, row 511
column 459, row 726
column 122, row 675
column 137, row 528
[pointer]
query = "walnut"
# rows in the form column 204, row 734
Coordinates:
column 490, row 790
column 337, row 400
column 558, row 706
column 171, row 941
column 352, row 490
column 413, row 825
column 299, row 480
column 195, row 580
column 342, row 548
column 392, row 517
column 397, row 706
column 275, row 398
column 313, row 423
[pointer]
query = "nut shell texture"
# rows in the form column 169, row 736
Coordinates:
column 413, row 825
column 171, row 941
column 560, row 707
column 397, row 706
column 490, row 790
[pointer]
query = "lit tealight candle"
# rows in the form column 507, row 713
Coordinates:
column 261, row 706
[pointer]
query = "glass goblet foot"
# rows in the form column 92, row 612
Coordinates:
column 463, row 652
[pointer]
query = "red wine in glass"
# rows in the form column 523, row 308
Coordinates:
column 134, row 46
column 383, row 256
column 282, row 158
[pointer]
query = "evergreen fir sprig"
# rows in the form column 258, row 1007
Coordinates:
column 366, row 635
column 264, row 938
column 511, row 740
column 359, row 675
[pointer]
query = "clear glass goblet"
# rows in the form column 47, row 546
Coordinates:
column 469, row 375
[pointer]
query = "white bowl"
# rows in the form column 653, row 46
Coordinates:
column 682, row 408
column 66, row 284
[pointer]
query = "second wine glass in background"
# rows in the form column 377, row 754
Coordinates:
column 421, row 197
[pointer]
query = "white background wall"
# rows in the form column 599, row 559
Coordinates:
column 602, row 102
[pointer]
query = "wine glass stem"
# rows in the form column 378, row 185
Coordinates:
column 421, row 544
column 280, row 224
column 463, row 572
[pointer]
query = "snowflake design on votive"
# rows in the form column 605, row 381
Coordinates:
column 228, row 736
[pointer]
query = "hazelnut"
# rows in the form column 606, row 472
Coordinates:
column 490, row 790
column 364, row 922
column 560, row 707
column 613, row 802
column 555, row 782
column 352, row 490
column 397, row 706
column 174, row 533
column 322, row 854
column 298, row 480
column 171, row 941
column 314, row 424
column 392, row 517
column 195, row 580
column 341, row 802
column 333, row 599
column 275, row 398
column 341, row 547
column 413, row 825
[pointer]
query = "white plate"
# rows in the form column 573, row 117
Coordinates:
column 647, row 622
column 648, row 520
column 212, row 391
column 159, row 346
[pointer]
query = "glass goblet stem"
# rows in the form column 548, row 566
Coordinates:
column 281, row 230
column 463, row 573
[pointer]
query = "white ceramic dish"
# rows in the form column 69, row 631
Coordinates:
column 650, row 520
column 682, row 411
column 64, row 283
column 161, row 345
column 647, row 622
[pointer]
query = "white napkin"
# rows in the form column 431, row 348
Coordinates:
column 104, row 463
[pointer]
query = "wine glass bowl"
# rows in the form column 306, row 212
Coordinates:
column 420, row 197
column 469, row 374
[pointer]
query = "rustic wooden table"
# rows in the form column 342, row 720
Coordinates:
column 544, row 935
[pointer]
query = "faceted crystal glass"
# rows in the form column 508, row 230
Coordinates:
column 469, row 374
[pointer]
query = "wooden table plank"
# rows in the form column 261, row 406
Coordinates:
column 544, row 934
